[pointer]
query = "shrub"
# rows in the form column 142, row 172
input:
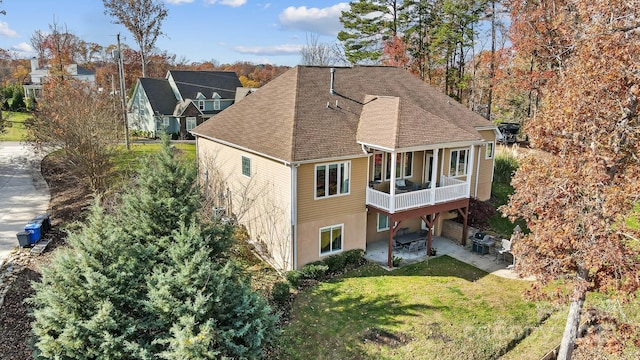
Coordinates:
column 315, row 270
column 294, row 277
column 479, row 213
column 281, row 293
column 354, row 258
column 505, row 165
column 335, row 263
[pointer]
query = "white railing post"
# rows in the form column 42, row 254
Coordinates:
column 470, row 169
column 392, row 183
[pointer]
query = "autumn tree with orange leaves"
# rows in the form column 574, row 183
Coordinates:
column 579, row 185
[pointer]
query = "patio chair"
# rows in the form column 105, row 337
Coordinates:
column 506, row 249
column 397, row 246
column 413, row 246
column 422, row 245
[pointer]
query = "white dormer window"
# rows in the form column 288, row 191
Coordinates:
column 216, row 101
column 201, row 104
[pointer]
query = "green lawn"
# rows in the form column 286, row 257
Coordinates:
column 127, row 162
column 442, row 309
column 500, row 196
column 15, row 130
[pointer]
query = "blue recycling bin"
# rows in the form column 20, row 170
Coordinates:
column 34, row 228
column 43, row 219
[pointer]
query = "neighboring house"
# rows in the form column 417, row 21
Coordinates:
column 180, row 101
column 322, row 160
column 39, row 76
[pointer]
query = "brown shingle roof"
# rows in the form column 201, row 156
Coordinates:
column 295, row 118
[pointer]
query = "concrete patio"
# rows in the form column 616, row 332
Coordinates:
column 377, row 253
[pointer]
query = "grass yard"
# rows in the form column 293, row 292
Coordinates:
column 500, row 196
column 15, row 131
column 126, row 162
column 442, row 309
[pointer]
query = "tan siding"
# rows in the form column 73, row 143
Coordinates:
column 309, row 235
column 372, row 227
column 261, row 202
column 486, row 167
column 312, row 214
column 310, row 209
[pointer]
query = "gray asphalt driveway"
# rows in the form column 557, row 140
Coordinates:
column 23, row 192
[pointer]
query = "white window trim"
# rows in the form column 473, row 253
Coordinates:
column 195, row 122
column 400, row 166
column 242, row 165
column 201, row 104
column 490, row 146
column 404, row 160
column 326, row 181
column 331, row 227
column 216, row 104
column 466, row 161
column 378, row 224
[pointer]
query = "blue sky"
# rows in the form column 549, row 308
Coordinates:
column 199, row 30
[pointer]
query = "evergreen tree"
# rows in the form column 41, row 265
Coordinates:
column 91, row 294
column 367, row 25
column 139, row 283
column 164, row 194
column 17, row 102
column 210, row 310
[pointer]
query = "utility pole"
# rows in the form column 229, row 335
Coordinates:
column 123, row 95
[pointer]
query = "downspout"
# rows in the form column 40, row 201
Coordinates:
column 294, row 212
column 366, row 193
column 475, row 192
column 470, row 169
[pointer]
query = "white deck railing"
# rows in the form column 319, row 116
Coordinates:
column 451, row 190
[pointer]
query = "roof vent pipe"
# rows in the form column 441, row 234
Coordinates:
column 333, row 72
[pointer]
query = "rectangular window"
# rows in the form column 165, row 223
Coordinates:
column 404, row 165
column 216, row 104
column 332, row 179
column 458, row 162
column 191, row 123
column 165, row 123
column 246, row 166
column 489, row 151
column 201, row 104
column 330, row 239
column 377, row 166
column 383, row 222
column 408, row 164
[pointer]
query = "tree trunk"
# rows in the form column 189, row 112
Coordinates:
column 492, row 65
column 573, row 319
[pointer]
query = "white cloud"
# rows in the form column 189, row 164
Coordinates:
column 22, row 48
column 6, row 31
column 285, row 49
column 325, row 21
column 232, row 3
column 178, row 1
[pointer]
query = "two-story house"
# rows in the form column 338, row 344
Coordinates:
column 38, row 75
column 180, row 101
column 322, row 160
